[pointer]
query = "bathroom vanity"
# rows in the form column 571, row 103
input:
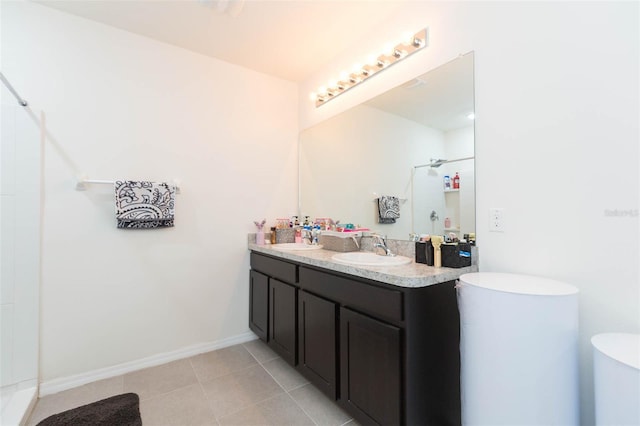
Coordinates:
column 382, row 342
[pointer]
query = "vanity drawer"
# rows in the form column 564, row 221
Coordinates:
column 284, row 271
column 377, row 301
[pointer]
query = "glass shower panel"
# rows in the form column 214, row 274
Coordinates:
column 20, row 226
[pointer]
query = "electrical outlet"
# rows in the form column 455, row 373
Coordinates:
column 496, row 220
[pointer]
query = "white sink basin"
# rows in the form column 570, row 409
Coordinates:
column 364, row 258
column 295, row 246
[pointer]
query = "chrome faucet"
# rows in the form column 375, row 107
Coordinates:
column 381, row 242
column 307, row 236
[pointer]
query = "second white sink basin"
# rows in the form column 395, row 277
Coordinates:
column 365, row 258
column 295, row 246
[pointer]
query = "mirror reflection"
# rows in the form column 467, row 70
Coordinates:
column 403, row 146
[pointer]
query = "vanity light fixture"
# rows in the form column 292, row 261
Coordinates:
column 392, row 55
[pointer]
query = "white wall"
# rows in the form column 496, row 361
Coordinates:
column 556, row 89
column 122, row 106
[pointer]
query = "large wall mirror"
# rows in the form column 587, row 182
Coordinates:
column 400, row 144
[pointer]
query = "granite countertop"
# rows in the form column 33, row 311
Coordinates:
column 410, row 275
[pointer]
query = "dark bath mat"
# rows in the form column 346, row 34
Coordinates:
column 119, row 410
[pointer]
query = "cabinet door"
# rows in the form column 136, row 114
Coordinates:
column 259, row 304
column 317, row 339
column 283, row 319
column 370, row 369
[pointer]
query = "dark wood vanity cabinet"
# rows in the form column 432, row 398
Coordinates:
column 318, row 342
column 371, row 368
column 283, row 332
column 273, row 304
column 259, row 304
column 388, row 355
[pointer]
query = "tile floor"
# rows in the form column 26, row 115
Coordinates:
column 246, row 384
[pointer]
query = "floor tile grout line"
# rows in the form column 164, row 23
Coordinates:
column 227, row 373
column 202, row 382
column 284, row 391
column 250, row 405
column 232, row 372
column 335, row 403
column 288, row 392
column 300, row 386
column 300, row 406
column 165, row 393
column 257, row 364
column 281, row 385
column 274, row 379
column 193, row 370
column 256, row 358
column 204, row 393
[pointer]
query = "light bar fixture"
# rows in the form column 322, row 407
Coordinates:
column 391, row 55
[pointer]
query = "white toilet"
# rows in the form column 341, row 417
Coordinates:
column 616, row 378
column 518, row 350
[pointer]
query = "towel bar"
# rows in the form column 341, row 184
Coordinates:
column 81, row 183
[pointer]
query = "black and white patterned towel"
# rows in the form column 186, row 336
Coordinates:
column 141, row 204
column 388, row 209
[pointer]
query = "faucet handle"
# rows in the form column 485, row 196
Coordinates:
column 382, row 238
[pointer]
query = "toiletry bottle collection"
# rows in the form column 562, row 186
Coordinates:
column 450, row 183
column 291, row 230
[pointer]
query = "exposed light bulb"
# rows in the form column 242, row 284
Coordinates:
column 399, row 53
column 392, row 54
column 471, row 116
column 313, row 96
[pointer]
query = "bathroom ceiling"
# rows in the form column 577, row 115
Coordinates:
column 289, row 39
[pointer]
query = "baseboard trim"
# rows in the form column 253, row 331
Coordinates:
column 65, row 383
